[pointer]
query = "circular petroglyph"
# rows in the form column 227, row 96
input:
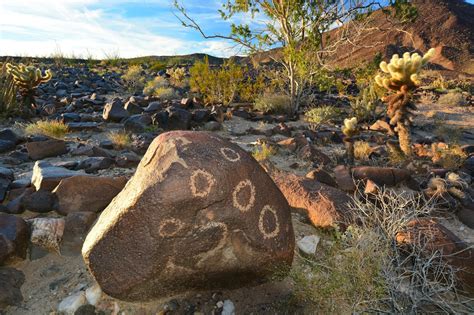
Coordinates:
column 265, row 223
column 230, row 154
column 201, row 183
column 170, row 227
column 243, row 196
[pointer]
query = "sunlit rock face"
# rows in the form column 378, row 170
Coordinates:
column 199, row 213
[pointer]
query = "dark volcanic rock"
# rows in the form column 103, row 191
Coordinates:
column 40, row 201
column 198, row 213
column 93, row 164
column 13, row 238
column 43, row 149
column 11, row 281
column 86, row 193
column 114, row 111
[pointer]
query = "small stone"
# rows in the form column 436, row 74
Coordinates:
column 47, row 232
column 212, row 126
column 70, row 304
column 228, row 308
column 93, row 164
column 93, row 294
column 308, row 244
column 40, row 201
column 114, row 111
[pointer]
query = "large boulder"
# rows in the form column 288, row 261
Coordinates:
column 199, row 213
column 86, row 193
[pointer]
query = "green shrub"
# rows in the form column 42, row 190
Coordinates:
column 216, row 86
column 157, row 66
column 264, row 152
column 319, row 115
column 133, row 78
column 274, row 104
column 177, row 77
column 160, row 87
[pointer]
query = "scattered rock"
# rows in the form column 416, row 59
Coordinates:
column 385, row 176
column 93, row 294
column 325, row 206
column 114, row 111
column 77, row 225
column 86, row 193
column 71, row 303
column 42, row 149
column 47, row 177
column 47, row 232
column 6, row 178
column 432, row 236
column 344, row 178
column 40, row 201
column 308, row 244
column 322, row 176
column 11, row 281
column 93, row 164
column 14, row 234
column 228, row 308
column 216, row 227
column 212, row 126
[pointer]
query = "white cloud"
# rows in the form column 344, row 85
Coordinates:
column 41, row 27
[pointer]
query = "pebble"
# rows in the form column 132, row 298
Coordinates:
column 308, row 244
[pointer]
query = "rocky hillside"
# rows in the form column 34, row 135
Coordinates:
column 446, row 25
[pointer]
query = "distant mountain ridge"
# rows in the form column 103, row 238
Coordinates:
column 446, row 25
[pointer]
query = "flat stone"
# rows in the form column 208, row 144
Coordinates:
column 86, row 193
column 43, row 149
column 308, row 244
column 46, row 176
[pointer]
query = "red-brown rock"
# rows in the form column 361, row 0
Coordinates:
column 432, row 236
column 324, row 205
column 199, row 213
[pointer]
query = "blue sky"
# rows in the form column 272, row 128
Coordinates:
column 99, row 27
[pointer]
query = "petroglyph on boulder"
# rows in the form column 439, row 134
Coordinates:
column 199, row 213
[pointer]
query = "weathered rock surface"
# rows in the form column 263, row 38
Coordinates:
column 325, row 206
column 114, row 111
column 86, row 193
column 13, row 238
column 42, row 149
column 46, row 176
column 198, row 213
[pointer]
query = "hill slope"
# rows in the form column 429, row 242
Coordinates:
column 447, row 25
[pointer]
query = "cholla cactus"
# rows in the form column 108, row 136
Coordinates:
column 403, row 79
column 350, row 130
column 350, row 127
column 27, row 79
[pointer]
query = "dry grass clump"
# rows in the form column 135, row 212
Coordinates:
column 50, row 128
column 120, row 139
column 273, row 104
column 453, row 99
column 344, row 277
column 450, row 157
column 264, row 152
column 362, row 150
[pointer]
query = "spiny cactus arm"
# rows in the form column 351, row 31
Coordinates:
column 350, row 126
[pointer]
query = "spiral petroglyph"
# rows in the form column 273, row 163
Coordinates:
column 201, row 183
column 265, row 229
column 239, row 190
